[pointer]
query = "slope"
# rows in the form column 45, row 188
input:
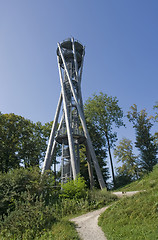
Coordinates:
column 135, row 217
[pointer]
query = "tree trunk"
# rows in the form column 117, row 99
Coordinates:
column 109, row 150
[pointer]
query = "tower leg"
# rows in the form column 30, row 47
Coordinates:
column 47, row 160
column 54, row 146
column 90, row 169
column 74, row 166
column 62, row 166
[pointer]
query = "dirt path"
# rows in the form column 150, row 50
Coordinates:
column 87, row 224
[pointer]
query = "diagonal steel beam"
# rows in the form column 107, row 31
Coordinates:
column 78, row 77
column 75, row 59
column 79, row 87
column 54, row 144
column 75, row 169
column 83, row 54
column 47, row 159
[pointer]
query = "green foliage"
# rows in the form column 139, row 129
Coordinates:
column 22, row 142
column 135, row 217
column 63, row 230
column 27, row 221
column 148, row 182
column 156, row 120
column 15, row 183
column 74, row 189
column 10, row 128
column 99, row 143
column 122, row 179
column 93, row 200
column 30, row 206
column 100, row 198
column 144, row 140
column 32, row 209
column 156, row 113
column 104, row 113
column 66, row 207
column 129, row 170
column 26, row 203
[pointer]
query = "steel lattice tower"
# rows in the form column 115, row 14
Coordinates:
column 72, row 130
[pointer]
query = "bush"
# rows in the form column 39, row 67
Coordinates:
column 74, row 189
column 27, row 221
column 15, row 183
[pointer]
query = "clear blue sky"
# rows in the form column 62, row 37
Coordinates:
column 121, row 39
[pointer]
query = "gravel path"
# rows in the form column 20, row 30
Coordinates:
column 125, row 194
column 87, row 224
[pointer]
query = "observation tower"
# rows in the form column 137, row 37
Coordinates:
column 71, row 130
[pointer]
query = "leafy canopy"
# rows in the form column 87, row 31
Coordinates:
column 103, row 111
column 22, row 142
column 144, row 139
column 124, row 154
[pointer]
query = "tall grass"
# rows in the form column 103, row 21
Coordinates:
column 63, row 230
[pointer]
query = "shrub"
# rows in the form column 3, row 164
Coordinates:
column 27, row 221
column 74, row 189
column 15, row 183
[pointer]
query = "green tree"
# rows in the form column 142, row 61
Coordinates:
column 32, row 144
column 144, row 139
column 156, row 120
column 22, row 142
column 122, row 179
column 129, row 161
column 10, row 134
column 156, row 113
column 103, row 112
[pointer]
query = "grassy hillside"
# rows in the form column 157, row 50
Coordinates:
column 148, row 182
column 135, row 217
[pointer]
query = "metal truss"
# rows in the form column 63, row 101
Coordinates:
column 72, row 130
